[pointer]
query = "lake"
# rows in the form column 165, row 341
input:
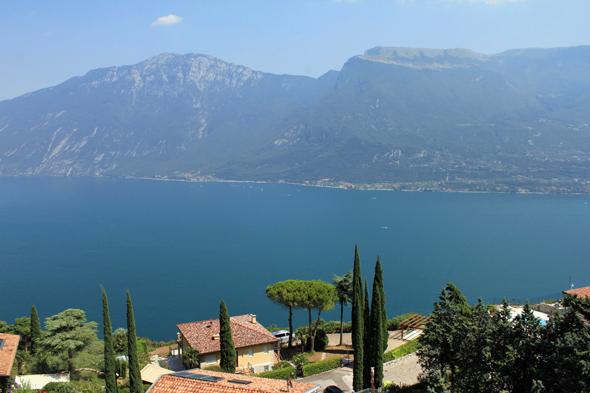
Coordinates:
column 181, row 248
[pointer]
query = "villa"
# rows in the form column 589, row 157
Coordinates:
column 255, row 346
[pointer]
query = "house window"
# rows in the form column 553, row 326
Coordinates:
column 211, row 359
column 266, row 368
column 266, row 349
column 250, row 352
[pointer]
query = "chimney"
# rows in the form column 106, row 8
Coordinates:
column 216, row 337
column 253, row 318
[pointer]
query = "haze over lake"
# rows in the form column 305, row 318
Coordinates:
column 182, row 247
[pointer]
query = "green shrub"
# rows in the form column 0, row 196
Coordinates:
column 403, row 350
column 282, row 373
column 142, row 346
column 274, row 328
column 281, row 364
column 57, row 387
column 395, row 321
column 321, row 341
column 321, row 366
column 214, row 367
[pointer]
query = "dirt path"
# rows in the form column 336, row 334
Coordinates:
column 347, row 339
column 403, row 371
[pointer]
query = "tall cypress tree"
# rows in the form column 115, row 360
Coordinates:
column 226, row 341
column 357, row 323
column 109, row 354
column 379, row 283
column 377, row 330
column 135, row 383
column 367, row 343
column 36, row 332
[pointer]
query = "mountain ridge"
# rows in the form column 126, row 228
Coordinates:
column 399, row 118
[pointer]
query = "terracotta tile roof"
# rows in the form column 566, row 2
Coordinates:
column 8, row 353
column 244, row 332
column 170, row 383
column 580, row 292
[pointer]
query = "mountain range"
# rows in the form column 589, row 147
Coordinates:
column 399, row 118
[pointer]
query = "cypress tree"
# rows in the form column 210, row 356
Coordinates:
column 109, row 354
column 367, row 341
column 226, row 341
column 135, row 383
column 357, row 323
column 36, row 332
column 377, row 330
column 379, row 283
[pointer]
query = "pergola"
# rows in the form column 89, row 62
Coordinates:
column 416, row 321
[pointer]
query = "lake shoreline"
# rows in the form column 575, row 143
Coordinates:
column 326, row 183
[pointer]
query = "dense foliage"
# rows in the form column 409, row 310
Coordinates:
column 321, row 366
column 475, row 351
column 68, row 332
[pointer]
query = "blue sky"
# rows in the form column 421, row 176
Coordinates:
column 44, row 43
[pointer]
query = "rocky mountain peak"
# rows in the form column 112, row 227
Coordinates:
column 170, row 74
column 424, row 58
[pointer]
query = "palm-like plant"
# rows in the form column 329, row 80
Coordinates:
column 343, row 286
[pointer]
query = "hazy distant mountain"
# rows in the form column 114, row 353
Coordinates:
column 440, row 119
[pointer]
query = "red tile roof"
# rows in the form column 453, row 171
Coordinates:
column 244, row 332
column 8, row 353
column 170, row 383
column 580, row 292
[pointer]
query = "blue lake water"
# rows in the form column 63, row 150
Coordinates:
column 182, row 247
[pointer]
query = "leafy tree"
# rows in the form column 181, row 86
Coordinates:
column 319, row 296
column 6, row 328
column 343, row 286
column 135, row 383
column 287, row 294
column 367, row 342
column 109, row 354
column 226, row 341
column 68, row 332
column 299, row 361
column 501, row 352
column 441, row 341
column 565, row 350
column 22, row 327
column 475, row 373
column 525, row 343
column 36, row 332
column 457, row 297
column 376, row 354
column 120, row 340
column 357, row 322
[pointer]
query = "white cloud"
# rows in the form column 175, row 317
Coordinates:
column 167, row 20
